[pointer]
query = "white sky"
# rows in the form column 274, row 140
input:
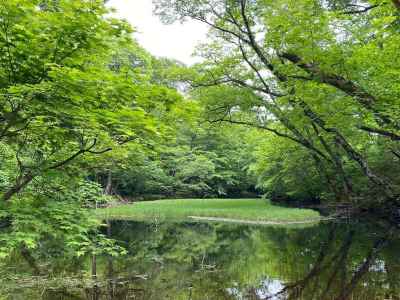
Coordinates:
column 176, row 41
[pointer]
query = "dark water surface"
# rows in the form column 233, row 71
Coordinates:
column 335, row 260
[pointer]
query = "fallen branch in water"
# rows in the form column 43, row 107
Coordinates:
column 260, row 222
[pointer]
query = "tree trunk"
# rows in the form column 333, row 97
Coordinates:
column 396, row 3
column 95, row 289
column 94, row 266
column 325, row 174
column 108, row 188
column 346, row 182
column 22, row 181
column 351, row 153
column 26, row 254
column 362, row 269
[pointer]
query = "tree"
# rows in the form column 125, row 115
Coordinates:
column 73, row 85
column 307, row 75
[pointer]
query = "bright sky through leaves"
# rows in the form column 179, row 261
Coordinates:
column 176, row 41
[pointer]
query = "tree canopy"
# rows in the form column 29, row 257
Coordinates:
column 321, row 75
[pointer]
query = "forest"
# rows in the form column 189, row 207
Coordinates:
column 294, row 102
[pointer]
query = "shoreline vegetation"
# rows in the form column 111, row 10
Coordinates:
column 249, row 211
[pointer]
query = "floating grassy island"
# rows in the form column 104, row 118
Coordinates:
column 227, row 210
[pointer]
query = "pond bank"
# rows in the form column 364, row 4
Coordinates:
column 243, row 210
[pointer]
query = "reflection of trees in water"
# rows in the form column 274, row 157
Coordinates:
column 341, row 258
column 196, row 261
column 330, row 276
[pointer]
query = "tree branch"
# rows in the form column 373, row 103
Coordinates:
column 82, row 151
column 360, row 11
column 391, row 135
column 350, row 88
column 350, row 151
column 24, row 179
column 276, row 132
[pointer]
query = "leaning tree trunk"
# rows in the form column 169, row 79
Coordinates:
column 346, row 181
column 349, row 150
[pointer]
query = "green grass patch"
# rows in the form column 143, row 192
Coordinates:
column 181, row 209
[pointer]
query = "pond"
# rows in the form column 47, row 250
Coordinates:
column 330, row 260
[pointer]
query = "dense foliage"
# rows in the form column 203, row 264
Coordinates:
column 87, row 115
column 297, row 100
column 74, row 86
column 201, row 161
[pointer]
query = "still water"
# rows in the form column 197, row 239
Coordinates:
column 334, row 260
